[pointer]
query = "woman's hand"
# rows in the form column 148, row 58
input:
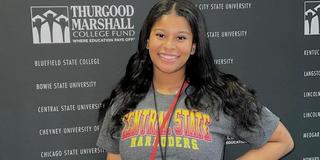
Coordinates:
column 111, row 156
column 277, row 146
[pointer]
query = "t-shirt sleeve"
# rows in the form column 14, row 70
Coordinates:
column 267, row 123
column 105, row 140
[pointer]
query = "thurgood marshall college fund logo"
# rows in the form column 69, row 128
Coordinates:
column 50, row 24
column 312, row 18
column 82, row 24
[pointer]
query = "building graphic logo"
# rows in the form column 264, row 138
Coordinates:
column 50, row 24
column 312, row 18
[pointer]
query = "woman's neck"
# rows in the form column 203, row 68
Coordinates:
column 168, row 84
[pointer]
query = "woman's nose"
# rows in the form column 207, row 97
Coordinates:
column 169, row 44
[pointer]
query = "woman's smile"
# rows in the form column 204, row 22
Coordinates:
column 168, row 58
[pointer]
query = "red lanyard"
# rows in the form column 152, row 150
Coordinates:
column 168, row 114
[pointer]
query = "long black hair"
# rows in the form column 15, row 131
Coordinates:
column 221, row 91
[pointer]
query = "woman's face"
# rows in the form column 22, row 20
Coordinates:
column 170, row 43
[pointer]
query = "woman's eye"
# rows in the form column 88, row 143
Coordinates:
column 160, row 35
column 181, row 38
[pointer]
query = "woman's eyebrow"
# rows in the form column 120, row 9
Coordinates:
column 181, row 31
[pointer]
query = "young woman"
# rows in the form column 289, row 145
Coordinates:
column 173, row 102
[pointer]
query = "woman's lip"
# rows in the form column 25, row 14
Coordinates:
column 170, row 58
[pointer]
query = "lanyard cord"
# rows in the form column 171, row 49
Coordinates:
column 157, row 116
column 170, row 111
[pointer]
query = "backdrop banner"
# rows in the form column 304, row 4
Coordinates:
column 60, row 59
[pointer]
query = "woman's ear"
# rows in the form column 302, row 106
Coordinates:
column 193, row 49
column 147, row 46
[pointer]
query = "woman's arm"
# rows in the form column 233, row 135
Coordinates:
column 111, row 156
column 277, row 146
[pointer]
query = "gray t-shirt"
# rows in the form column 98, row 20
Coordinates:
column 192, row 134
